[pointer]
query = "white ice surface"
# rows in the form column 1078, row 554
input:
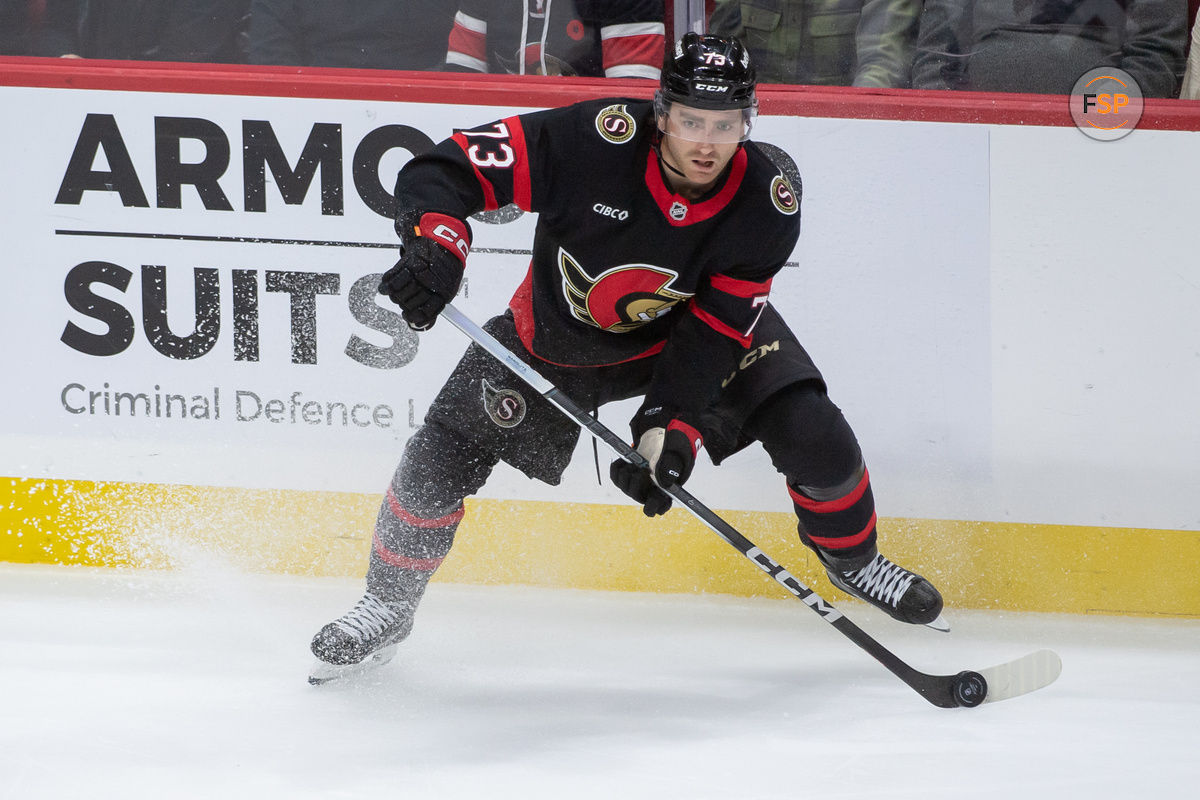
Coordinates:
column 192, row 684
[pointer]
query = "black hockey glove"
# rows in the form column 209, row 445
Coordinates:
column 671, row 452
column 430, row 268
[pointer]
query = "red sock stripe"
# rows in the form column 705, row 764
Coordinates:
column 842, row 542
column 831, row 506
column 418, row 522
column 404, row 562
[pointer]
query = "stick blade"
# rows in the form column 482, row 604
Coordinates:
column 1022, row 676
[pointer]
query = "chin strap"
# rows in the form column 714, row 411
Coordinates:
column 656, row 145
column 658, row 152
column 667, row 164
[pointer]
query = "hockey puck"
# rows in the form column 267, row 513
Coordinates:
column 970, row 688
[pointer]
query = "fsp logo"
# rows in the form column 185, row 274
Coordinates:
column 1106, row 103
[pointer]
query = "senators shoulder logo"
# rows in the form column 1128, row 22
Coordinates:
column 783, row 196
column 619, row 299
column 616, row 124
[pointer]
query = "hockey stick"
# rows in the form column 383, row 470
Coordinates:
column 968, row 688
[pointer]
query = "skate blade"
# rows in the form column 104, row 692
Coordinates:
column 323, row 672
column 939, row 624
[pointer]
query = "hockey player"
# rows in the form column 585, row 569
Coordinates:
column 661, row 229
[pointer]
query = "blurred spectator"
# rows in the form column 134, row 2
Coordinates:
column 373, row 34
column 600, row 38
column 1191, row 76
column 16, row 20
column 157, row 30
column 1043, row 46
column 824, row 42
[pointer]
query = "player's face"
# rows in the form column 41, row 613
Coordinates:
column 699, row 143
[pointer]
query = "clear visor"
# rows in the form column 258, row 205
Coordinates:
column 703, row 125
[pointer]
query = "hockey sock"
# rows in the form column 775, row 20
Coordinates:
column 839, row 521
column 406, row 549
column 421, row 510
column 811, row 443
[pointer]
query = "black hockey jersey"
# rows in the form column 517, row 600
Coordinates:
column 621, row 264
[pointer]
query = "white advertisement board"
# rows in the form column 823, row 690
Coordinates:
column 189, row 298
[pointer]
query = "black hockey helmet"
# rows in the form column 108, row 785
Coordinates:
column 707, row 71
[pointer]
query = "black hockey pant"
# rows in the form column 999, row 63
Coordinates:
column 805, row 434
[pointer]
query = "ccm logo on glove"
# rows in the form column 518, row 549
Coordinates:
column 430, row 268
column 671, row 453
column 674, row 462
column 449, row 232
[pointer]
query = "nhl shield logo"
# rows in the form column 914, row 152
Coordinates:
column 505, row 407
column 678, row 211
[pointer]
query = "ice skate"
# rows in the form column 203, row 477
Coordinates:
column 902, row 594
column 364, row 637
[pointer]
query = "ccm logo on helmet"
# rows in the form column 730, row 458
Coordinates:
column 609, row 211
column 711, row 87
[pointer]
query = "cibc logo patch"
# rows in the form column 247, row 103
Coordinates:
column 505, row 407
column 616, row 124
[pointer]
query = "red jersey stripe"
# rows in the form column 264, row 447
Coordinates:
column 720, row 327
column 740, row 288
column 522, row 183
column 485, row 186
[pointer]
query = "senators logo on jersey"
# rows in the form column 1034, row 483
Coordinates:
column 784, row 196
column 616, row 124
column 619, row 299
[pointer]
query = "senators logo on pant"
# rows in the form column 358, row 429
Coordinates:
column 505, row 407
